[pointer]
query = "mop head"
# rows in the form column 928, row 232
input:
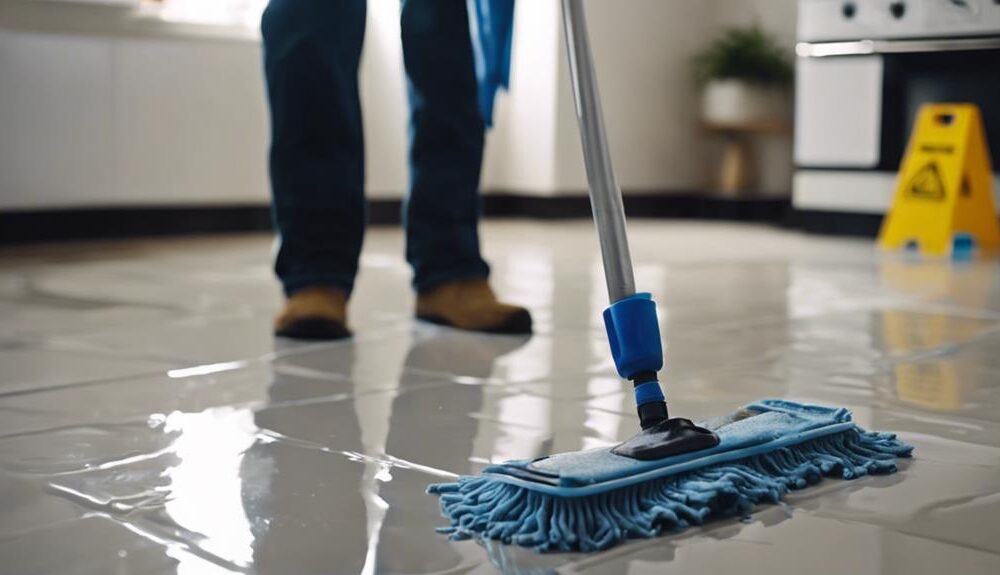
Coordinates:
column 591, row 500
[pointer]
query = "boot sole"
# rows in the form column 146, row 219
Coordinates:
column 314, row 329
column 519, row 323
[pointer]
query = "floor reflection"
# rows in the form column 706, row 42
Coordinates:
column 149, row 423
column 409, row 434
column 205, row 484
column 930, row 368
column 386, row 422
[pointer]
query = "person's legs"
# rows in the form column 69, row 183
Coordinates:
column 441, row 212
column 311, row 54
column 447, row 131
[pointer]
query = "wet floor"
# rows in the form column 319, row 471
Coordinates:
column 149, row 423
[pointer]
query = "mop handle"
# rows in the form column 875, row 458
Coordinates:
column 605, row 196
column 633, row 330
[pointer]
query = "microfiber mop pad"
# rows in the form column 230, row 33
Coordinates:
column 591, row 500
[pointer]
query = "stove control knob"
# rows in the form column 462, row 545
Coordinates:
column 849, row 9
column 897, row 9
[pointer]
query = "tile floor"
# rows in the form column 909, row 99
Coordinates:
column 149, row 423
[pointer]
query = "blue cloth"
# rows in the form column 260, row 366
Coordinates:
column 492, row 26
column 312, row 49
column 599, row 499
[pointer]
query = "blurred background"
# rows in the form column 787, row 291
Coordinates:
column 150, row 422
column 156, row 109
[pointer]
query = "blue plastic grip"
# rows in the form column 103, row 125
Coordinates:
column 963, row 247
column 648, row 393
column 634, row 335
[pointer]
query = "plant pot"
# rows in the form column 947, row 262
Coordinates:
column 728, row 102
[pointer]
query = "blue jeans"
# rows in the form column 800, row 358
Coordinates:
column 311, row 54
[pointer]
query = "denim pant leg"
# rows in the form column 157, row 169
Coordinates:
column 441, row 211
column 311, row 53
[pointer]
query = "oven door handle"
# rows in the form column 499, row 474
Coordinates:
column 868, row 47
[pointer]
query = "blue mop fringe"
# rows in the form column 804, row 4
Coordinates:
column 491, row 508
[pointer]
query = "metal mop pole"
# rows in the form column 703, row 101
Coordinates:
column 605, row 197
column 633, row 330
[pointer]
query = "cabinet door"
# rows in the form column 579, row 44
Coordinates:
column 838, row 112
column 56, row 121
column 192, row 122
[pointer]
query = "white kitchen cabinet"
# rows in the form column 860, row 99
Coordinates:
column 57, row 144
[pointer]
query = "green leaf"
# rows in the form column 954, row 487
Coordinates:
column 747, row 54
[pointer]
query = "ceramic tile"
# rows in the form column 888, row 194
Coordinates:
column 150, row 423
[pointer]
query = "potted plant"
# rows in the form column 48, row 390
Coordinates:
column 745, row 74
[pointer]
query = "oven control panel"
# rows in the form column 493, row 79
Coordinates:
column 845, row 20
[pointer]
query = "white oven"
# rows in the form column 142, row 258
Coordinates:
column 864, row 68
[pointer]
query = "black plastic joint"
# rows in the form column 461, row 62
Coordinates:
column 643, row 377
column 653, row 413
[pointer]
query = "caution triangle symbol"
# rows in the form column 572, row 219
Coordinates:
column 927, row 184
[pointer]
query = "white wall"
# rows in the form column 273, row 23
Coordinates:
column 56, row 129
column 521, row 148
column 641, row 52
column 107, row 121
column 130, row 120
column 383, row 91
column 774, row 153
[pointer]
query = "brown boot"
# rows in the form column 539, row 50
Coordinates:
column 472, row 305
column 318, row 313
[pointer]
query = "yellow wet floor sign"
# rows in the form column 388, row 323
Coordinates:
column 944, row 194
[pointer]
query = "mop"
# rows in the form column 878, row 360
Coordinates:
column 674, row 473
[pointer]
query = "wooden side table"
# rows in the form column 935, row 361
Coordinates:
column 736, row 175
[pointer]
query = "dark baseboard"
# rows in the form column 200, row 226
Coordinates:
column 32, row 226
column 105, row 223
column 662, row 205
column 700, row 207
column 835, row 223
